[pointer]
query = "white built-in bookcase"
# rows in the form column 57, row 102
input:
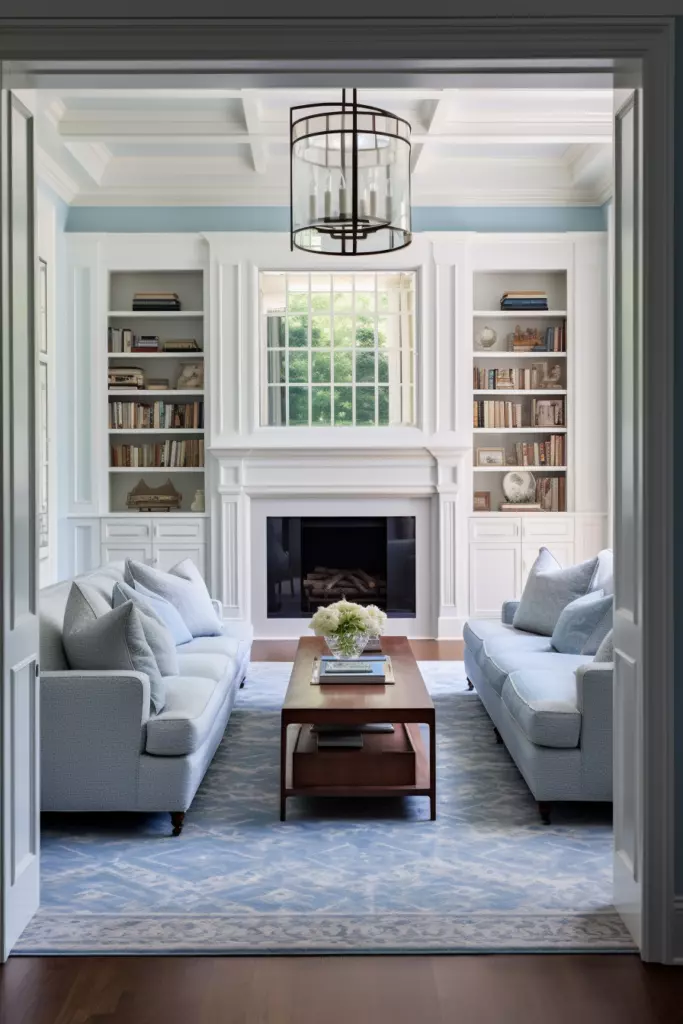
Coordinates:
column 488, row 286
column 188, row 322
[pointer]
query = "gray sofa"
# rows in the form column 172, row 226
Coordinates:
column 553, row 711
column 101, row 748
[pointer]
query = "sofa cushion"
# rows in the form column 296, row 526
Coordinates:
column 498, row 665
column 604, row 574
column 549, row 589
column 157, row 635
column 212, row 645
column 491, row 633
column 84, row 604
column 192, row 704
column 544, row 705
column 116, row 641
column 206, row 666
column 187, row 593
column 583, row 624
column 605, row 652
column 166, row 612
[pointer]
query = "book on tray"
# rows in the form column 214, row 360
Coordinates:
column 353, row 670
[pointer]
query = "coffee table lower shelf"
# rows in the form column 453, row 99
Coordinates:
column 420, row 787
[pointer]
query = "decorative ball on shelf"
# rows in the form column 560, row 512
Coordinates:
column 519, row 487
column 487, row 338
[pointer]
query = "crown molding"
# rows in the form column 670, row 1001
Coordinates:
column 49, row 171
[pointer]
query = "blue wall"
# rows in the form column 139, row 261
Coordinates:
column 276, row 218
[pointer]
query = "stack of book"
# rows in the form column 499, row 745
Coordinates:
column 146, row 343
column 158, row 415
column 174, row 454
column 520, row 506
column 157, row 302
column 531, row 301
column 181, row 345
column 355, row 670
column 125, row 377
column 541, row 453
column 498, row 414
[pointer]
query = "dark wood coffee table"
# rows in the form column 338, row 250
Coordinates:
column 405, row 703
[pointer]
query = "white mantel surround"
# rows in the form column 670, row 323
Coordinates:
column 385, row 482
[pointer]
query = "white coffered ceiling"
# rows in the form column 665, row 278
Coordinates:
column 231, row 146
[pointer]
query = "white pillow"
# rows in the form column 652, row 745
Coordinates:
column 157, row 635
column 184, row 588
column 549, row 589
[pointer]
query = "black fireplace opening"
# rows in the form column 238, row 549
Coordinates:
column 313, row 561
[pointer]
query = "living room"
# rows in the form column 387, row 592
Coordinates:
column 332, row 438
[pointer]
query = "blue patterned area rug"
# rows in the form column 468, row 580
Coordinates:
column 339, row 876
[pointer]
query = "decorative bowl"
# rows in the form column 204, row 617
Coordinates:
column 348, row 645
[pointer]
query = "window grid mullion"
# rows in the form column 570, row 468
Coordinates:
column 353, row 351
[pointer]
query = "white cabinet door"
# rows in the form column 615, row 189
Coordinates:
column 141, row 551
column 165, row 556
column 495, row 576
column 562, row 550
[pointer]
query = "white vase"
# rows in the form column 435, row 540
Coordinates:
column 198, row 503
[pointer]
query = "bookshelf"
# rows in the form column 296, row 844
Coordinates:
column 155, row 433
column 521, row 394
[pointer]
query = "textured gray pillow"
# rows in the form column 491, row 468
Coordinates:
column 186, row 591
column 548, row 590
column 582, row 625
column 605, row 651
column 157, row 635
column 83, row 604
column 114, row 641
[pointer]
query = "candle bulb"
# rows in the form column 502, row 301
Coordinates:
column 328, row 198
column 342, row 197
column 363, row 205
column 312, row 204
column 390, row 205
column 373, row 199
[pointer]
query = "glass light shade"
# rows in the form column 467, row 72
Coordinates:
column 350, row 179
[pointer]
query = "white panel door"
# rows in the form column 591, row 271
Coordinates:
column 19, row 733
column 628, row 688
column 495, row 576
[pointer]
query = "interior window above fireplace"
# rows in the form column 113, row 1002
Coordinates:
column 338, row 349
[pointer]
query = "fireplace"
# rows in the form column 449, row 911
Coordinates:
column 313, row 561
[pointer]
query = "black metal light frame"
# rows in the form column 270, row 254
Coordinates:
column 354, row 227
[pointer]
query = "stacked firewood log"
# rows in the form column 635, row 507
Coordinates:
column 328, row 585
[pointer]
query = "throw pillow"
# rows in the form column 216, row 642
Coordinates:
column 185, row 590
column 157, row 635
column 548, row 590
column 582, row 625
column 83, row 604
column 605, row 651
column 164, row 610
column 115, row 641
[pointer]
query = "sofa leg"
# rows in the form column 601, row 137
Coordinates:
column 470, row 684
column 177, row 820
column 242, row 684
column 499, row 738
column 544, row 809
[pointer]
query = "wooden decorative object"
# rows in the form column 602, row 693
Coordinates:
column 482, row 501
column 144, row 498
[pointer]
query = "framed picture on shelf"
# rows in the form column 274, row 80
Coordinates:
column 549, row 412
column 546, row 377
column 482, row 501
column 490, row 456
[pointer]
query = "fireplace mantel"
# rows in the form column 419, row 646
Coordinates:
column 341, row 481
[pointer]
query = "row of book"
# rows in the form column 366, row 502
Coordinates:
column 174, row 454
column 123, row 339
column 528, row 379
column 155, row 302
column 543, row 413
column 521, row 300
column 157, row 415
column 542, row 453
column 552, row 339
column 551, row 494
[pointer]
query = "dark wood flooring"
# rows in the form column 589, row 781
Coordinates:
column 552, row 989
column 340, row 990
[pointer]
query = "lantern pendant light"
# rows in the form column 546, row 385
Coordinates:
column 349, row 178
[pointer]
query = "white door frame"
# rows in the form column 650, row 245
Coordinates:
column 412, row 50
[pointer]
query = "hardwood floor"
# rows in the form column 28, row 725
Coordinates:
column 424, row 650
column 339, row 990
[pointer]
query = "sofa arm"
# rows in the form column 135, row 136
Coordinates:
column 239, row 630
column 508, row 611
column 92, row 733
column 594, row 698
